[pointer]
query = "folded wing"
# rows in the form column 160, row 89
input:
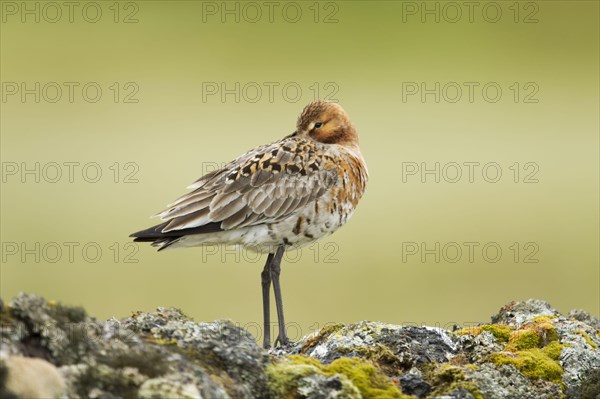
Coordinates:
column 264, row 185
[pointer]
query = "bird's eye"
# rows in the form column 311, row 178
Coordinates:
column 318, row 125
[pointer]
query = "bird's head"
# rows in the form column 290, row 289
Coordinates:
column 327, row 123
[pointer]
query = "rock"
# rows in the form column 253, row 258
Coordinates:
column 317, row 386
column 218, row 344
column 579, row 354
column 412, row 383
column 388, row 345
column 516, row 313
column 584, row 317
column 300, row 377
column 590, row 385
column 497, row 382
column 172, row 386
column 478, row 347
column 162, row 351
column 29, row 377
column 529, row 351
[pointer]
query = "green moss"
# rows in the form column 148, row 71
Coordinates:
column 380, row 355
column 524, row 339
column 534, row 363
column 553, row 350
column 365, row 377
column 447, row 374
column 370, row 382
column 448, row 378
column 535, row 334
column 500, row 331
column 587, row 338
column 470, row 386
column 468, row 331
column 538, row 333
column 544, row 326
column 284, row 378
column 534, row 350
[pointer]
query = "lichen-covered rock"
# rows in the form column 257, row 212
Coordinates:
column 584, row 317
column 551, row 351
column 220, row 345
column 37, row 328
column 345, row 378
column 518, row 312
column 388, row 345
column 298, row 377
column 175, row 386
column 529, row 351
column 590, row 384
column 147, row 355
column 499, row 382
column 412, row 383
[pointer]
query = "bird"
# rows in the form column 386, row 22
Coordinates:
column 275, row 197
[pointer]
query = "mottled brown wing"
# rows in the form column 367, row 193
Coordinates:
column 262, row 186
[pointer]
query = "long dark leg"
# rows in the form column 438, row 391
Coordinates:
column 266, row 287
column 275, row 270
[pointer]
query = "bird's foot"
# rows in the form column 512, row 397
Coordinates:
column 282, row 347
column 283, row 342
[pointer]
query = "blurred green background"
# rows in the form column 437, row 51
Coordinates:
column 161, row 121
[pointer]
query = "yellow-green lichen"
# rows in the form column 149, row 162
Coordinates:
column 587, row 338
column 447, row 373
column 359, row 378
